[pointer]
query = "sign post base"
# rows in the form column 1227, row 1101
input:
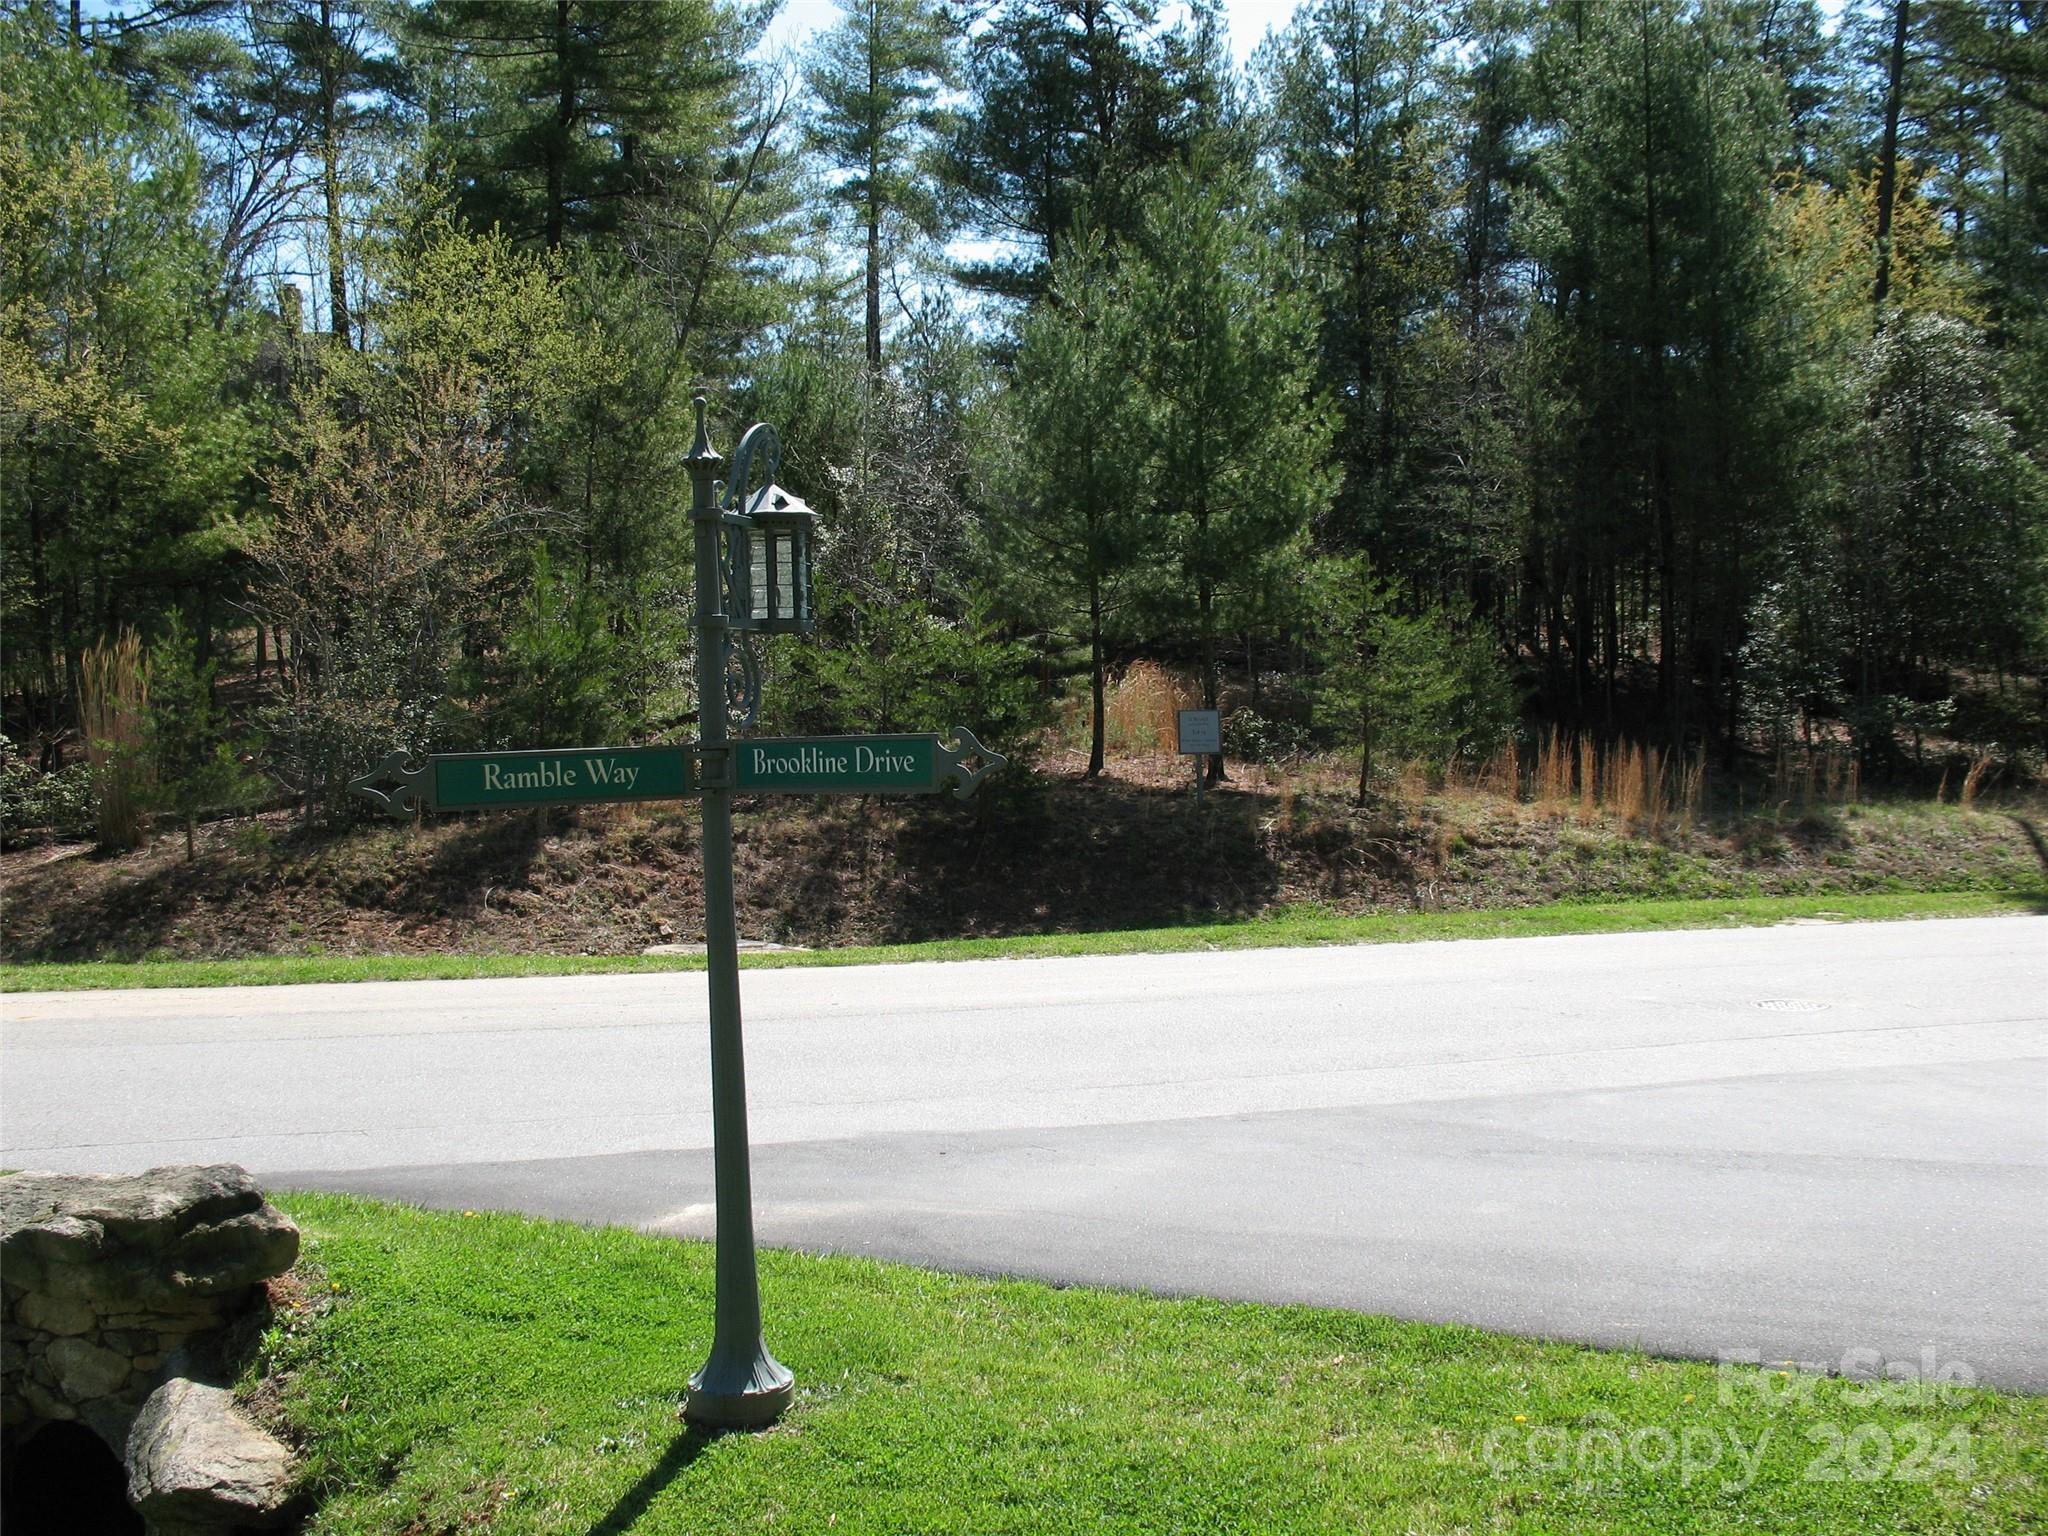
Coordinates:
column 739, row 1394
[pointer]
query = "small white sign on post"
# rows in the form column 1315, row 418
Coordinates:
column 1201, row 732
column 1201, row 735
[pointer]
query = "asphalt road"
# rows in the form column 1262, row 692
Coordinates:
column 1810, row 1143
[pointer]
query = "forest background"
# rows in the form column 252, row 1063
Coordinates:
column 1650, row 381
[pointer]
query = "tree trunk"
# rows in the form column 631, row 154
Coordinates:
column 1669, row 684
column 874, row 205
column 558, row 141
column 874, row 287
column 1097, row 683
column 1888, row 156
column 1364, row 753
column 1206, row 605
column 330, row 177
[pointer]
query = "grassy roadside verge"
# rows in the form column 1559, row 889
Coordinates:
column 1292, row 929
column 457, row 1371
column 1288, row 930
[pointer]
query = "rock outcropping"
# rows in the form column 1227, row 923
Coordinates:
column 117, row 1294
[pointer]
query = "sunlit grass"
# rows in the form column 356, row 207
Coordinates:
column 473, row 1371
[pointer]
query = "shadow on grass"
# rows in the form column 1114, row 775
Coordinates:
column 635, row 1501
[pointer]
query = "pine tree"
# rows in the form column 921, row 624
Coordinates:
column 1364, row 175
column 1236, row 441
column 123, row 443
column 1663, row 365
column 559, row 112
column 1069, row 527
column 876, row 80
column 318, row 79
column 1072, row 103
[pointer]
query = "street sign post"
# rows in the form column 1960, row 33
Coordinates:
column 753, row 569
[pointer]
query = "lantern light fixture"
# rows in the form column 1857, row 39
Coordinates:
column 779, row 594
column 768, row 538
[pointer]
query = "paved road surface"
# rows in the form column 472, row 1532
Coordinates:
column 1810, row 1143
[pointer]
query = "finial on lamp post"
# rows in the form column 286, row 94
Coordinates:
column 701, row 451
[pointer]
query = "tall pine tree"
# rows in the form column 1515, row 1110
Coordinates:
column 876, row 82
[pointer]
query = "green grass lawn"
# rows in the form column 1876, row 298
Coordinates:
column 1296, row 928
column 459, row 1372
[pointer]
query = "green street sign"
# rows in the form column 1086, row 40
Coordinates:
column 482, row 781
column 917, row 764
column 911, row 764
column 475, row 781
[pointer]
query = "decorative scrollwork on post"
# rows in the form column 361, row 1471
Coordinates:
column 407, row 794
column 761, row 440
column 742, row 683
column 954, row 756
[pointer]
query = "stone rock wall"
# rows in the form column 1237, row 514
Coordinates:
column 114, row 1290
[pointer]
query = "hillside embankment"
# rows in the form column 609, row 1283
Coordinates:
column 1040, row 853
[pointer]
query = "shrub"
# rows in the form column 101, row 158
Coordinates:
column 1252, row 737
column 60, row 803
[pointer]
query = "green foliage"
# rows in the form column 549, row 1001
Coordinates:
column 200, row 761
column 1232, row 434
column 1662, row 360
column 556, row 116
column 395, row 509
column 901, row 668
column 1074, row 104
column 1791, row 662
column 1364, row 178
column 379, row 323
column 60, row 803
column 1946, row 524
column 1253, row 736
column 1405, row 685
column 125, row 442
column 555, row 681
column 1070, row 534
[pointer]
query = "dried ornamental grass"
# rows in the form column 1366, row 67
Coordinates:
column 1551, row 787
column 1139, row 714
column 1973, row 781
column 113, row 706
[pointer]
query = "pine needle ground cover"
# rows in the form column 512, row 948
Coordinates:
column 455, row 1372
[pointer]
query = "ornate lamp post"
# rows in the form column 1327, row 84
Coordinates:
column 765, row 572
column 753, row 551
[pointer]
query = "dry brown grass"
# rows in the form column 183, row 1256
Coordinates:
column 113, row 706
column 1692, row 790
column 1138, row 714
column 1973, row 781
column 1553, row 783
column 1624, row 787
column 1828, row 774
column 1639, row 788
